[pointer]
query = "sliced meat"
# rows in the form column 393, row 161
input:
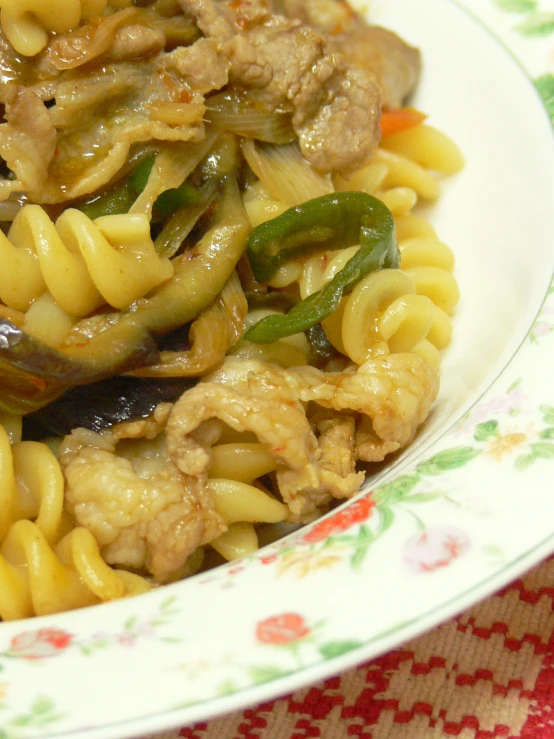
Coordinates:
column 143, row 512
column 200, row 65
column 27, row 143
column 210, row 18
column 342, row 133
column 315, row 461
column 337, row 441
column 336, row 107
column 396, row 65
column 136, row 41
column 394, row 392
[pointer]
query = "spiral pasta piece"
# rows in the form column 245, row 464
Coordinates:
column 47, row 566
column 82, row 263
column 27, row 23
column 234, row 467
column 31, row 486
column 430, row 263
column 392, row 311
column 37, row 578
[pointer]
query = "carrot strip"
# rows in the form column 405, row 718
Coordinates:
column 400, row 119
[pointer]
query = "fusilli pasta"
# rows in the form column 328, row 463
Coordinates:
column 82, row 263
column 27, row 23
column 46, row 564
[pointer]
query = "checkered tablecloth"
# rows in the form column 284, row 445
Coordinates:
column 488, row 673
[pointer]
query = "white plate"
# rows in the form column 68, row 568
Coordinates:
column 467, row 509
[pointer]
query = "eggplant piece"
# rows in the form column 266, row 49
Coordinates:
column 33, row 374
column 321, row 349
column 103, row 404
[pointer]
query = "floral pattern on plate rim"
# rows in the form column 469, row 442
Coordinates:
column 507, row 429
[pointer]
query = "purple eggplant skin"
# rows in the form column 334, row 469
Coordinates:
column 103, row 404
column 33, row 374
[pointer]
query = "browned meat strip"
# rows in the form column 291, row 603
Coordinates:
column 201, row 66
column 136, row 42
column 395, row 64
column 335, row 106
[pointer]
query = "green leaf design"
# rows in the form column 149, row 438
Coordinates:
column 387, row 517
column 484, row 431
column 359, row 555
column 548, row 410
column 517, row 6
column 524, row 461
column 168, row 603
column 266, row 673
column 26, row 720
column 398, row 489
column 542, row 450
column 537, row 25
column 515, row 384
column 545, row 88
column 449, row 459
column 227, row 687
column 42, row 706
column 364, row 535
column 547, row 433
column 337, row 648
column 422, row 497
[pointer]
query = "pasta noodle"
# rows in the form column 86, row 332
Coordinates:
column 84, row 264
column 218, row 299
column 46, row 564
column 27, row 23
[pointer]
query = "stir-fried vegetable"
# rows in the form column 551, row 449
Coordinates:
column 240, row 114
column 400, row 119
column 116, row 201
column 201, row 272
column 330, row 222
column 102, row 404
column 33, row 374
column 170, row 200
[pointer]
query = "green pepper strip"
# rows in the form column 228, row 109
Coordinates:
column 115, row 202
column 333, row 221
column 119, row 199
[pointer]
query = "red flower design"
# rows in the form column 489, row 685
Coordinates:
column 284, row 629
column 269, row 559
column 40, row 644
column 435, row 548
column 355, row 513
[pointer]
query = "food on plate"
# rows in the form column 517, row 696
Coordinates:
column 217, row 304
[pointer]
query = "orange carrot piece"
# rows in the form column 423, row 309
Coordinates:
column 400, row 119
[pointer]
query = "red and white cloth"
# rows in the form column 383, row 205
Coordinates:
column 488, row 673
